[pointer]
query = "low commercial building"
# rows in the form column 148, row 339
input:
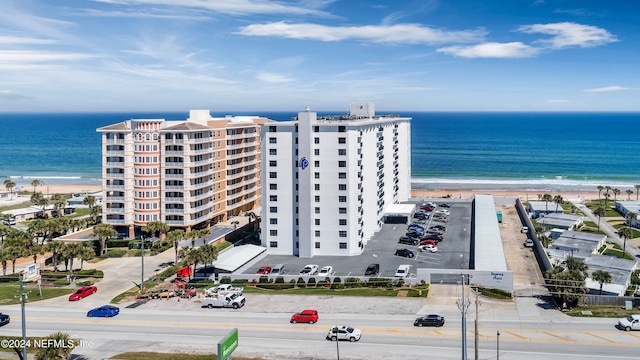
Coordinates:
column 626, row 207
column 620, row 270
column 561, row 221
column 575, row 242
column 539, row 208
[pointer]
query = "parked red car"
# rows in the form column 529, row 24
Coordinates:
column 429, row 241
column 264, row 270
column 308, row 316
column 82, row 293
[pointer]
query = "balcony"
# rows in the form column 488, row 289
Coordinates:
column 114, row 198
column 113, row 210
column 174, row 211
column 113, row 152
column 114, row 175
column 114, row 141
column 113, row 187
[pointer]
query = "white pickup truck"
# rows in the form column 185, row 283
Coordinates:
column 226, row 301
column 631, row 322
column 224, row 289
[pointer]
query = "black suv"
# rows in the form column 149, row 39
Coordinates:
column 4, row 319
column 408, row 240
column 429, row 320
column 372, row 270
column 405, row 253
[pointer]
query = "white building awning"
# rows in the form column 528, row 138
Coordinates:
column 232, row 259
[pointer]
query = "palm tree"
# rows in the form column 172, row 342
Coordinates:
column 602, row 277
column 174, row 237
column 255, row 219
column 625, row 233
column 86, row 254
column 558, row 200
column 13, row 253
column 103, row 232
column 58, row 203
column 631, row 217
column 95, row 211
column 607, row 196
column 35, row 183
column 616, row 192
column 629, row 192
column 208, row 254
column 599, row 212
column 154, row 227
column 56, row 248
column 235, row 224
column 72, row 251
column 9, row 184
column 61, row 347
column 637, row 186
column 89, row 200
column 204, row 234
column 600, row 188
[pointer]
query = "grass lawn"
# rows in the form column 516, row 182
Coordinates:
column 9, row 292
column 600, row 311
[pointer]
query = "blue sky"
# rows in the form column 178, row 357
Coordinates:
column 255, row 55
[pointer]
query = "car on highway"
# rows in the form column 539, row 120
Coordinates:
column 103, row 311
column 405, row 253
column 310, row 269
column 326, row 271
column 344, row 332
column 82, row 293
column 372, row 270
column 305, row 316
column 429, row 320
column 428, row 248
column 4, row 319
column 631, row 322
column 528, row 243
column 264, row 270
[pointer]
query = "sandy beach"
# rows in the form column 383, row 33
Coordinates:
column 524, row 195
column 62, row 188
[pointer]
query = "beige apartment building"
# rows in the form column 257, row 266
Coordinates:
column 188, row 174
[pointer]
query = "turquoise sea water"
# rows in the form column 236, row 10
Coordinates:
column 485, row 151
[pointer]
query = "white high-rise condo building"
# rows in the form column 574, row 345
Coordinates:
column 327, row 181
column 188, row 174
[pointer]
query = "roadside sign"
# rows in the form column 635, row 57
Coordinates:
column 31, row 273
column 227, row 345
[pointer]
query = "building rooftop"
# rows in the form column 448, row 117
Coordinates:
column 489, row 251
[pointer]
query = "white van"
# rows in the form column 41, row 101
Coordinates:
column 403, row 271
column 9, row 221
column 277, row 270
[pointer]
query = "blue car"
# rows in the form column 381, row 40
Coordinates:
column 104, row 311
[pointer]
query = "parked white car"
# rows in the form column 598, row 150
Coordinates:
column 310, row 269
column 326, row 271
column 428, row 247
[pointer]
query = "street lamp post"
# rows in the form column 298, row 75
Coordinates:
column 463, row 305
column 142, row 272
column 498, row 345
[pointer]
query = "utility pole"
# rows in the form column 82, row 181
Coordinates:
column 498, row 345
column 476, row 324
column 23, row 299
column 463, row 305
column 142, row 272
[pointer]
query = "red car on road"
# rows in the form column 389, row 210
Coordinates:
column 82, row 293
column 308, row 316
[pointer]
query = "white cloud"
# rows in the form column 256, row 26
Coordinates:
column 558, row 101
column 18, row 59
column 610, row 89
column 567, row 34
column 491, row 50
column 400, row 33
column 19, row 40
column 273, row 78
column 235, row 7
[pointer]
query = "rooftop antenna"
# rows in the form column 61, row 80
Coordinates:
column 306, row 109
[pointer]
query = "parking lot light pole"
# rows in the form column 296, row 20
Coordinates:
column 498, row 345
column 142, row 272
column 463, row 305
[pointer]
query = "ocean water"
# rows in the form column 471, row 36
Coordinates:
column 481, row 151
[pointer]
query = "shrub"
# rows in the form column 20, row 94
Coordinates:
column 301, row 283
column 311, row 282
column 61, row 282
column 279, row 280
column 114, row 253
column 263, row 279
column 274, row 286
column 117, row 243
column 8, row 278
column 90, row 272
column 336, row 280
column 238, row 282
column 225, row 280
column 337, row 286
column 83, row 283
column 379, row 282
column 352, row 282
column 168, row 272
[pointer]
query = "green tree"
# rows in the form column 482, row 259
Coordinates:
column 235, row 224
column 9, row 185
column 89, row 200
column 58, row 201
column 558, row 200
column 174, row 237
column 631, row 217
column 71, row 251
column 95, row 210
column 616, row 192
column 13, row 253
column 35, row 183
column 546, row 198
column 599, row 212
column 103, row 232
column 625, row 233
column 255, row 219
column 56, row 248
column 86, row 254
column 155, row 227
column 61, row 347
column 600, row 188
column 629, row 192
column 602, row 277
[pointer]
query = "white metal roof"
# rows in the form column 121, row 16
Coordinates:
column 233, row 258
column 400, row 209
column 489, row 254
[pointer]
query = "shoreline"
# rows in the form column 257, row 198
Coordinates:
column 416, row 192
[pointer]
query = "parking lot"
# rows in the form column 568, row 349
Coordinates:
column 454, row 251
